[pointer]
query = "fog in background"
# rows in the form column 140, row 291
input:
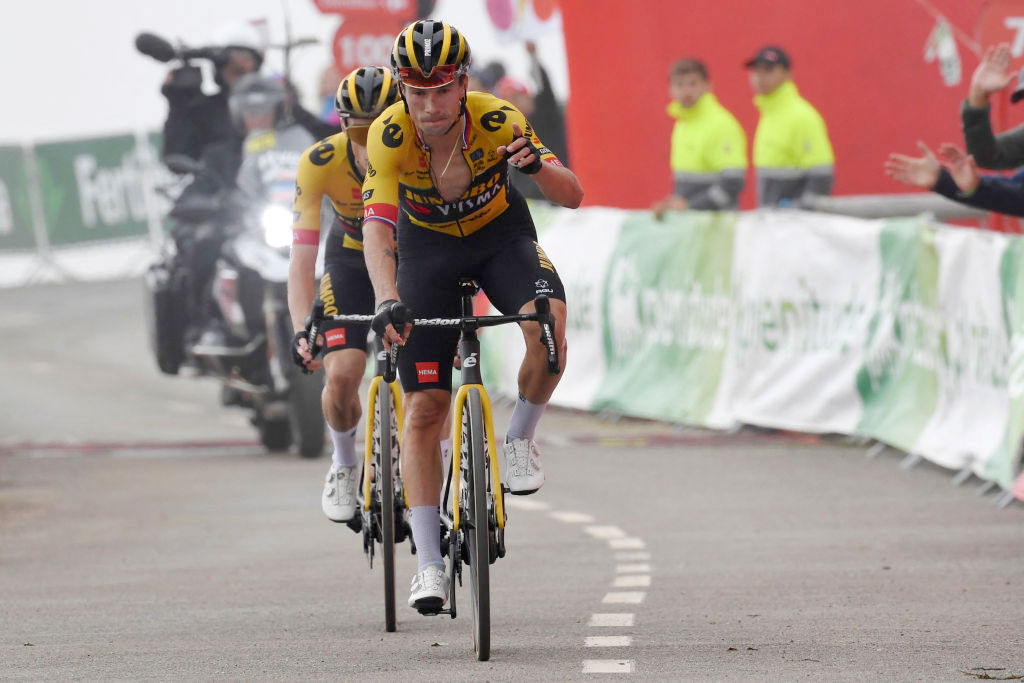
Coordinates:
column 70, row 68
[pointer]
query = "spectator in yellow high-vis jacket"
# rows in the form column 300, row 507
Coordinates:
column 709, row 147
column 793, row 157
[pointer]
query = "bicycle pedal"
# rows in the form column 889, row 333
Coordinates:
column 430, row 607
column 355, row 524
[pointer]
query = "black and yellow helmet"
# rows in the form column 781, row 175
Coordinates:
column 365, row 93
column 429, row 53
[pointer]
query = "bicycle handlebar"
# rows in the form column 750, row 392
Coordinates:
column 542, row 315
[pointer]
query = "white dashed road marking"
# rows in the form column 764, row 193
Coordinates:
column 608, row 641
column 608, row 666
column 633, row 570
column 624, row 598
column 611, row 619
column 571, row 517
column 632, row 581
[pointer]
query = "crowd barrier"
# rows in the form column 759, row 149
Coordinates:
column 80, row 209
column 906, row 330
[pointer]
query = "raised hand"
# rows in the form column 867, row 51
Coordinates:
column 992, row 75
column 920, row 171
column 961, row 166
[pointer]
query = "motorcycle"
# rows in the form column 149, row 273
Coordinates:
column 251, row 356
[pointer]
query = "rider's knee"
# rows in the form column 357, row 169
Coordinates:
column 424, row 410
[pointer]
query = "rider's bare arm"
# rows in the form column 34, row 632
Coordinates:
column 560, row 185
column 301, row 283
column 381, row 264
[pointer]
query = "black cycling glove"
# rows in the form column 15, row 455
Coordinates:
column 533, row 166
column 296, row 356
column 390, row 312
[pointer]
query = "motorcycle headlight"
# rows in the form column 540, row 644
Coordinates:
column 277, row 226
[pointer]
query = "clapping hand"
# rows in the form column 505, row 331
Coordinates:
column 961, row 166
column 991, row 76
column 920, row 171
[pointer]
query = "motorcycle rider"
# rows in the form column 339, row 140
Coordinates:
column 200, row 126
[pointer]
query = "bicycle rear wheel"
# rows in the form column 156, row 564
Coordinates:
column 476, row 525
column 386, row 496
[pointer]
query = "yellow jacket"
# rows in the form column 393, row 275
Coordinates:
column 792, row 152
column 709, row 154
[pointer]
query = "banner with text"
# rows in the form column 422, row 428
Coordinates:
column 906, row 331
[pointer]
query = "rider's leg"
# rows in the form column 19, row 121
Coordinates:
column 425, row 413
column 522, row 459
column 340, row 400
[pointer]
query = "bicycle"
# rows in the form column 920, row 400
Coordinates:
column 472, row 507
column 381, row 496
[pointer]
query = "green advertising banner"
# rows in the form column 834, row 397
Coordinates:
column 93, row 190
column 15, row 205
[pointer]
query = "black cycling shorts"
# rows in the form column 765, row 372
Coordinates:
column 503, row 257
column 345, row 289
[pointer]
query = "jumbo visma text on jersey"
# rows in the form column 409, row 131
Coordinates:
column 400, row 176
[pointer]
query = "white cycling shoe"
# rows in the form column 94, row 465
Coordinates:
column 339, row 498
column 523, row 474
column 429, row 591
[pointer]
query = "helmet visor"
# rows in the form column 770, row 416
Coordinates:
column 441, row 75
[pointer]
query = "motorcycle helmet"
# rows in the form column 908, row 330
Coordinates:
column 256, row 97
column 429, row 53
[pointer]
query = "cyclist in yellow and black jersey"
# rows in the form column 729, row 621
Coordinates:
column 334, row 168
column 438, row 183
column 399, row 151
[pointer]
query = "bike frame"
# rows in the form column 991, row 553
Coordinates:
column 469, row 351
column 380, row 368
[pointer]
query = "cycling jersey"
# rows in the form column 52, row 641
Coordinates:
column 328, row 169
column 399, row 173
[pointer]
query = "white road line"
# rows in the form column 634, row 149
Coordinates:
column 611, row 619
column 521, row 504
column 572, row 517
column 630, row 557
column 633, row 569
column 605, row 531
column 626, row 543
column 184, row 408
column 632, row 581
column 608, row 666
column 608, row 641
column 624, row 597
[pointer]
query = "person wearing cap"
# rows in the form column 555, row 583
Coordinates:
column 793, row 156
column 1006, row 150
column 709, row 147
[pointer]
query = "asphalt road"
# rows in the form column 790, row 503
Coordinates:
column 145, row 535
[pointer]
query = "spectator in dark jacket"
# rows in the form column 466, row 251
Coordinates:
column 957, row 177
column 1003, row 151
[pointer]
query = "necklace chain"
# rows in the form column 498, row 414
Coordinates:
column 451, row 156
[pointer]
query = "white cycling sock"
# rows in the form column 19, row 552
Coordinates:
column 344, row 447
column 525, row 417
column 425, row 521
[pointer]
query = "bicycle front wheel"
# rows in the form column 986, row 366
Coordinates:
column 476, row 524
column 386, row 496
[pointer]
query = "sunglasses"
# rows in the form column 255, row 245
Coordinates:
column 441, row 75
